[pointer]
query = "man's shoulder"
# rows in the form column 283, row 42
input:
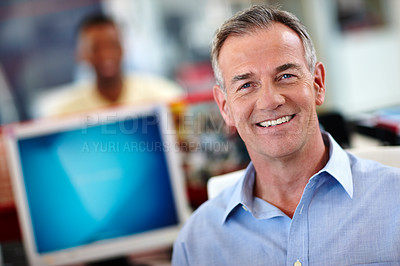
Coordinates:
column 204, row 233
column 81, row 99
column 376, row 180
column 372, row 168
column 146, row 87
column 215, row 206
column 211, row 214
column 63, row 99
column 150, row 80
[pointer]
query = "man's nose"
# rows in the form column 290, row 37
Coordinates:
column 109, row 53
column 269, row 97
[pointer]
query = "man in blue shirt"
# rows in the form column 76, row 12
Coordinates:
column 303, row 200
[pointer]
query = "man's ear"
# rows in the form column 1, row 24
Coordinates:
column 319, row 83
column 220, row 98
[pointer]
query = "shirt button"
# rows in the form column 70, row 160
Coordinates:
column 297, row 263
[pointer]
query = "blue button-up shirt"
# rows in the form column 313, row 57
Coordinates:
column 349, row 214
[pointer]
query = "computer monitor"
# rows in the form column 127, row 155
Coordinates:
column 97, row 185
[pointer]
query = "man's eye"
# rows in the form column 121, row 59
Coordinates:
column 286, row 76
column 246, row 85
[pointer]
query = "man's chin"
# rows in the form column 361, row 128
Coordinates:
column 108, row 76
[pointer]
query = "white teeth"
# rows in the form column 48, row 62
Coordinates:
column 276, row 122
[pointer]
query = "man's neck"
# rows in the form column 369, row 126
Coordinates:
column 110, row 89
column 282, row 182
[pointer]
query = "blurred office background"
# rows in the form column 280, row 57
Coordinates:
column 358, row 40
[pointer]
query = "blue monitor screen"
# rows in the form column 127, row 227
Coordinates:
column 97, row 183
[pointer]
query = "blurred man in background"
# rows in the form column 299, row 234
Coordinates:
column 99, row 45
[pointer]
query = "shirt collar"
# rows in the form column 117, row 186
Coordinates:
column 338, row 166
column 243, row 191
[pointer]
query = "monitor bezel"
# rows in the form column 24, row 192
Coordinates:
column 103, row 249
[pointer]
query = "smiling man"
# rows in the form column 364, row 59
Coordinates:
column 302, row 200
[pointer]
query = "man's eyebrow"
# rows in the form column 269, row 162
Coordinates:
column 241, row 77
column 287, row 66
column 278, row 69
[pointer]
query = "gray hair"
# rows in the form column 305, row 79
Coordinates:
column 259, row 17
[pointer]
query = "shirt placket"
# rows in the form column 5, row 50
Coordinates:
column 298, row 243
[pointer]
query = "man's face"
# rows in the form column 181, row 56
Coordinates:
column 271, row 96
column 101, row 48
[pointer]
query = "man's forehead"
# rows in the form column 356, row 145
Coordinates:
column 100, row 27
column 276, row 31
column 277, row 38
column 98, row 32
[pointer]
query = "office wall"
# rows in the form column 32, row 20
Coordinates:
column 362, row 63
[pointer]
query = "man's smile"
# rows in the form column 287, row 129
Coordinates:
column 281, row 120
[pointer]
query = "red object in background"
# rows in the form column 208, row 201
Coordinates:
column 9, row 226
column 391, row 125
column 198, row 97
column 196, row 77
column 197, row 195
